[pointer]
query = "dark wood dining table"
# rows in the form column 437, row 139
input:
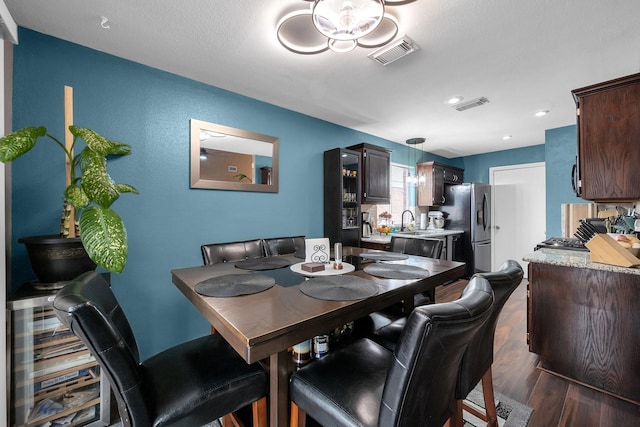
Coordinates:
column 264, row 325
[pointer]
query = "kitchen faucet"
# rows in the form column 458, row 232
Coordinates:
column 402, row 218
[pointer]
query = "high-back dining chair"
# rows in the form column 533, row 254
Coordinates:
column 214, row 253
column 478, row 358
column 285, row 245
column 190, row 384
column 430, row 248
column 365, row 384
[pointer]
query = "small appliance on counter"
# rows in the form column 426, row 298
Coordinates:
column 436, row 220
column 423, row 221
column 366, row 225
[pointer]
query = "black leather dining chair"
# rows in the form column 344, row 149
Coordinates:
column 365, row 384
column 478, row 358
column 190, row 384
column 285, row 245
column 214, row 253
column 430, row 248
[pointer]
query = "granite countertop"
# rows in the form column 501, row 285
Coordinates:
column 579, row 259
column 417, row 234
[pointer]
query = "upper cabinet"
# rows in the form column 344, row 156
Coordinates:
column 432, row 177
column 608, row 119
column 376, row 170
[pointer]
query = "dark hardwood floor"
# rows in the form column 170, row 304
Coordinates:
column 555, row 401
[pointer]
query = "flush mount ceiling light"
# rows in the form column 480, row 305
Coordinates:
column 338, row 25
column 542, row 113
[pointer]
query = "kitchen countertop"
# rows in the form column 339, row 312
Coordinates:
column 579, row 259
column 416, row 234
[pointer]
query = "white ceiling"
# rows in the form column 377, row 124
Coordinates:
column 524, row 56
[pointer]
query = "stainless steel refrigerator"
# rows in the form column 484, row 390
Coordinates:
column 467, row 207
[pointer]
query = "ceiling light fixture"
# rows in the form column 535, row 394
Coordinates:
column 454, row 100
column 542, row 113
column 338, row 25
column 506, row 137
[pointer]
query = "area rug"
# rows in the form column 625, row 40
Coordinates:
column 510, row 413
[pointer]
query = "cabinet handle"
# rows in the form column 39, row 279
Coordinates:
column 443, row 199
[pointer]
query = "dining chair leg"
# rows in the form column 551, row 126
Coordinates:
column 298, row 416
column 456, row 419
column 489, row 414
column 259, row 409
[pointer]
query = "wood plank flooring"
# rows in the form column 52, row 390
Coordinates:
column 556, row 401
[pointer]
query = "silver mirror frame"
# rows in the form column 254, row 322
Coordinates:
column 198, row 182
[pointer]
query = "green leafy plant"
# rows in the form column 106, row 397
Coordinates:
column 91, row 192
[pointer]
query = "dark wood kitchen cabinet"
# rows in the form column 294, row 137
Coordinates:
column 432, row 177
column 376, row 173
column 608, row 122
column 583, row 322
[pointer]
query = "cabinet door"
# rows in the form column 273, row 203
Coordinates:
column 376, row 184
column 431, row 185
column 608, row 138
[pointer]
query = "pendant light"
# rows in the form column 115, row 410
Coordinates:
column 413, row 142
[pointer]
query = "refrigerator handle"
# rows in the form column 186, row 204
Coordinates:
column 484, row 211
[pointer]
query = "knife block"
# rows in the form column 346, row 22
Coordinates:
column 605, row 250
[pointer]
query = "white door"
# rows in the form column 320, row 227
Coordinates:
column 518, row 211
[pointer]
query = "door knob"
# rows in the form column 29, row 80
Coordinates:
column 497, row 227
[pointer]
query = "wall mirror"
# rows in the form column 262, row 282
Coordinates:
column 226, row 158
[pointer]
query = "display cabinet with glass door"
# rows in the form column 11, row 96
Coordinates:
column 54, row 378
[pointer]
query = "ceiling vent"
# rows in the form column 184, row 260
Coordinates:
column 394, row 51
column 461, row 106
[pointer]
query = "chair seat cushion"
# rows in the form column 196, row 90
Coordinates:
column 354, row 400
column 200, row 380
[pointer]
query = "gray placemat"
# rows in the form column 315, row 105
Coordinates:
column 396, row 271
column 268, row 263
column 384, row 256
column 233, row 285
column 339, row 288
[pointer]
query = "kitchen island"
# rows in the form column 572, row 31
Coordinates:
column 583, row 320
column 448, row 237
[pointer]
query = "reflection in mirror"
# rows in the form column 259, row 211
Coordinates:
column 227, row 158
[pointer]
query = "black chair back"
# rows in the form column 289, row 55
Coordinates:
column 90, row 310
column 430, row 248
column 285, row 245
column 420, row 385
column 478, row 357
column 214, row 253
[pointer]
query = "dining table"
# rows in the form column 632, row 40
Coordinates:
column 263, row 324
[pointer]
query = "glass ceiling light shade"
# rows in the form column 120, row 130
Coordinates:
column 347, row 19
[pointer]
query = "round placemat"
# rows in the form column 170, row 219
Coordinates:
column 396, row 271
column 339, row 288
column 268, row 263
column 384, row 256
column 233, row 285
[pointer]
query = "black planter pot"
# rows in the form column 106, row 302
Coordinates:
column 56, row 260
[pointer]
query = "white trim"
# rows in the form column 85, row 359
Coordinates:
column 9, row 28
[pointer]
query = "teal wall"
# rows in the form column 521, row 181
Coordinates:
column 167, row 222
column 560, row 152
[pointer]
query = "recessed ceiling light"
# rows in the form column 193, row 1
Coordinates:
column 454, row 100
column 542, row 113
column 507, row 137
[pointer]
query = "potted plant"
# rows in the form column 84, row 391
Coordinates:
column 91, row 193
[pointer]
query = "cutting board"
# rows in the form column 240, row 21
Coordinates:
column 573, row 212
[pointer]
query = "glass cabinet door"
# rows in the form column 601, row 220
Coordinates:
column 54, row 378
